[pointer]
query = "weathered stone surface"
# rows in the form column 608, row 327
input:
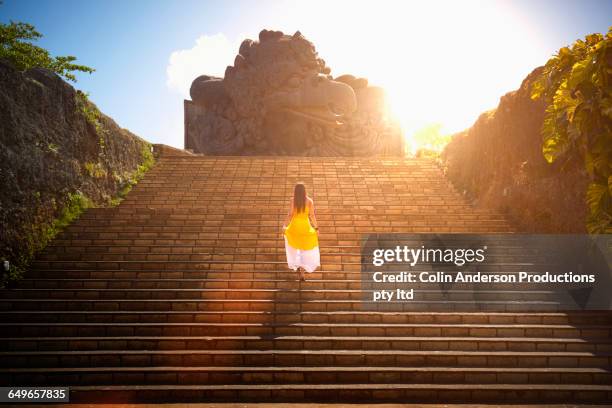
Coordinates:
column 499, row 162
column 49, row 150
column 280, row 99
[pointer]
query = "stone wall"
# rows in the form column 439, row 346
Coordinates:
column 55, row 146
column 499, row 163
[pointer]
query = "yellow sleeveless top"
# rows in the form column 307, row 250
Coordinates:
column 299, row 232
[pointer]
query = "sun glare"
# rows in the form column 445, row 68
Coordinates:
column 451, row 62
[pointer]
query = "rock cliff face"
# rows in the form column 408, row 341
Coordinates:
column 55, row 147
column 499, row 163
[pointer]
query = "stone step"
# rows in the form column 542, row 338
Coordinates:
column 230, row 280
column 194, row 172
column 270, row 225
column 200, row 212
column 335, row 214
column 297, row 294
column 373, row 208
column 233, row 284
column 274, row 232
column 281, row 203
column 339, row 358
column 219, row 243
column 273, row 305
column 338, row 209
column 67, row 376
column 436, row 343
column 400, row 190
column 263, row 274
column 220, row 248
column 274, row 246
column 61, row 249
column 371, row 317
column 344, row 393
column 278, row 255
column 271, row 328
column 278, row 264
column 202, row 256
column 281, row 180
column 283, row 276
column 349, row 188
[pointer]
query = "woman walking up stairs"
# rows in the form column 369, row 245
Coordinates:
column 301, row 237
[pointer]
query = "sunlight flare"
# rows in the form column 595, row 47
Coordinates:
column 456, row 61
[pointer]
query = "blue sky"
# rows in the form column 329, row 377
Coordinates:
column 428, row 56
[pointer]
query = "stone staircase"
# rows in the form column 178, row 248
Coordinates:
column 181, row 293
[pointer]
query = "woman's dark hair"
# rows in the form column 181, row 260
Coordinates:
column 299, row 197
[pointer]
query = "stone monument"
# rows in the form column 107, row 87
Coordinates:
column 280, row 99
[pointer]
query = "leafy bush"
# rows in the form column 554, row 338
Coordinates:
column 576, row 85
column 16, row 46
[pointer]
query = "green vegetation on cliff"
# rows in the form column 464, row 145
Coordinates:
column 59, row 155
column 135, row 176
column 576, row 85
column 543, row 156
column 39, row 235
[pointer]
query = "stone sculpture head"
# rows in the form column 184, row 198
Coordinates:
column 277, row 98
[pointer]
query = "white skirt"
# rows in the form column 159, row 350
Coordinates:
column 308, row 259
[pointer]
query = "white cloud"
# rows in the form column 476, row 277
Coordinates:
column 210, row 55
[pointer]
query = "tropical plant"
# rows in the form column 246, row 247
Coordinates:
column 576, row 85
column 16, row 46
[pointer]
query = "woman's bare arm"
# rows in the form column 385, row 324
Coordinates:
column 289, row 214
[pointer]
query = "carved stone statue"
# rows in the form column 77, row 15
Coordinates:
column 280, row 99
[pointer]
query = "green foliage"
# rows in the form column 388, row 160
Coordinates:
column 53, row 148
column 89, row 111
column 15, row 272
column 147, row 162
column 16, row 46
column 40, row 235
column 93, row 116
column 77, row 203
column 95, row 170
column 576, row 85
